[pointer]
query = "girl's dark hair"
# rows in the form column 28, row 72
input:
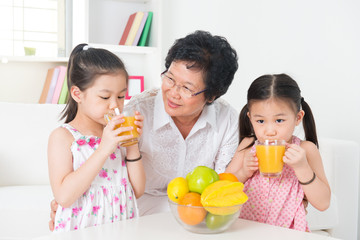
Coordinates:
column 84, row 66
column 279, row 86
column 213, row 55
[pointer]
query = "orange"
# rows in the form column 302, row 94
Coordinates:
column 223, row 193
column 177, row 188
column 228, row 176
column 191, row 215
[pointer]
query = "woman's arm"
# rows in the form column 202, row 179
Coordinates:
column 306, row 160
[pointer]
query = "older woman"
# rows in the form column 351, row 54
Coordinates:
column 186, row 125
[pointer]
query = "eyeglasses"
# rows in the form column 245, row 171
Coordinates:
column 183, row 91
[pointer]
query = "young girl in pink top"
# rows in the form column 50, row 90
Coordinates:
column 274, row 108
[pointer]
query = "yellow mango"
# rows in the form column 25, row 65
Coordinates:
column 223, row 197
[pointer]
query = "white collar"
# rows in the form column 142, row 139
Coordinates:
column 161, row 118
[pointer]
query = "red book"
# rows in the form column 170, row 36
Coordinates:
column 127, row 29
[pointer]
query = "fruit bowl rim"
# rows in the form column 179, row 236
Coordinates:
column 214, row 207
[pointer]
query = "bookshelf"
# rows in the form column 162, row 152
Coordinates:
column 101, row 23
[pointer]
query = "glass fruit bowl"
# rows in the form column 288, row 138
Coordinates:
column 205, row 219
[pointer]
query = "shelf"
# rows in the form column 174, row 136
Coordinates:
column 6, row 59
column 125, row 49
column 136, row 1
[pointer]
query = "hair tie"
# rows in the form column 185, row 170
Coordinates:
column 86, row 47
column 302, row 100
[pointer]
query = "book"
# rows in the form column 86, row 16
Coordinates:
column 52, row 85
column 144, row 39
column 59, row 85
column 134, row 28
column 64, row 92
column 140, row 30
column 127, row 29
column 46, row 87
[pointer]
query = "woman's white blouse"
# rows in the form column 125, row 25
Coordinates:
column 166, row 154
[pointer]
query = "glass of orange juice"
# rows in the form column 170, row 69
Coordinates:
column 129, row 117
column 270, row 156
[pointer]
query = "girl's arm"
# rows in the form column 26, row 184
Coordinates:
column 135, row 170
column 68, row 185
column 306, row 160
column 244, row 163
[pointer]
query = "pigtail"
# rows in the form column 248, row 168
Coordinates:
column 309, row 124
column 245, row 126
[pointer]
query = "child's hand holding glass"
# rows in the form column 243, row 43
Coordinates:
column 250, row 164
column 295, row 156
column 122, row 128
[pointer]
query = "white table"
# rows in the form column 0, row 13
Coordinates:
column 164, row 226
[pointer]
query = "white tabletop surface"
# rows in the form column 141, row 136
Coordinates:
column 164, row 226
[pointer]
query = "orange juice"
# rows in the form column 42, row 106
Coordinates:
column 270, row 159
column 129, row 122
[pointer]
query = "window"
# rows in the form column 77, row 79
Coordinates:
column 32, row 27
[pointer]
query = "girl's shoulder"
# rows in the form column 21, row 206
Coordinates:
column 308, row 146
column 246, row 144
column 61, row 135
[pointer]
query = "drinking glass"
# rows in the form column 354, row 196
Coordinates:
column 129, row 117
column 270, row 156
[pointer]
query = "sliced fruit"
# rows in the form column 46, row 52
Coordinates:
column 226, row 194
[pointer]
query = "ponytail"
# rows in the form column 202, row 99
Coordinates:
column 245, row 126
column 71, row 106
column 309, row 124
column 84, row 66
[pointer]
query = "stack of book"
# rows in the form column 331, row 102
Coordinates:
column 137, row 29
column 55, row 88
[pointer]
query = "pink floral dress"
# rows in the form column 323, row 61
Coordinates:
column 276, row 201
column 110, row 197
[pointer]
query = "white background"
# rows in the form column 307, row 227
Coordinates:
column 316, row 42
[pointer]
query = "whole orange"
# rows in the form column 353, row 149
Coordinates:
column 192, row 212
column 228, row 176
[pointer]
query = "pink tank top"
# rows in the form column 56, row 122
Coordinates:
column 276, row 201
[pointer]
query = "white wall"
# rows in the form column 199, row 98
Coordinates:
column 23, row 81
column 316, row 42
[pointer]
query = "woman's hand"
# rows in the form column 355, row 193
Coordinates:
column 53, row 208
